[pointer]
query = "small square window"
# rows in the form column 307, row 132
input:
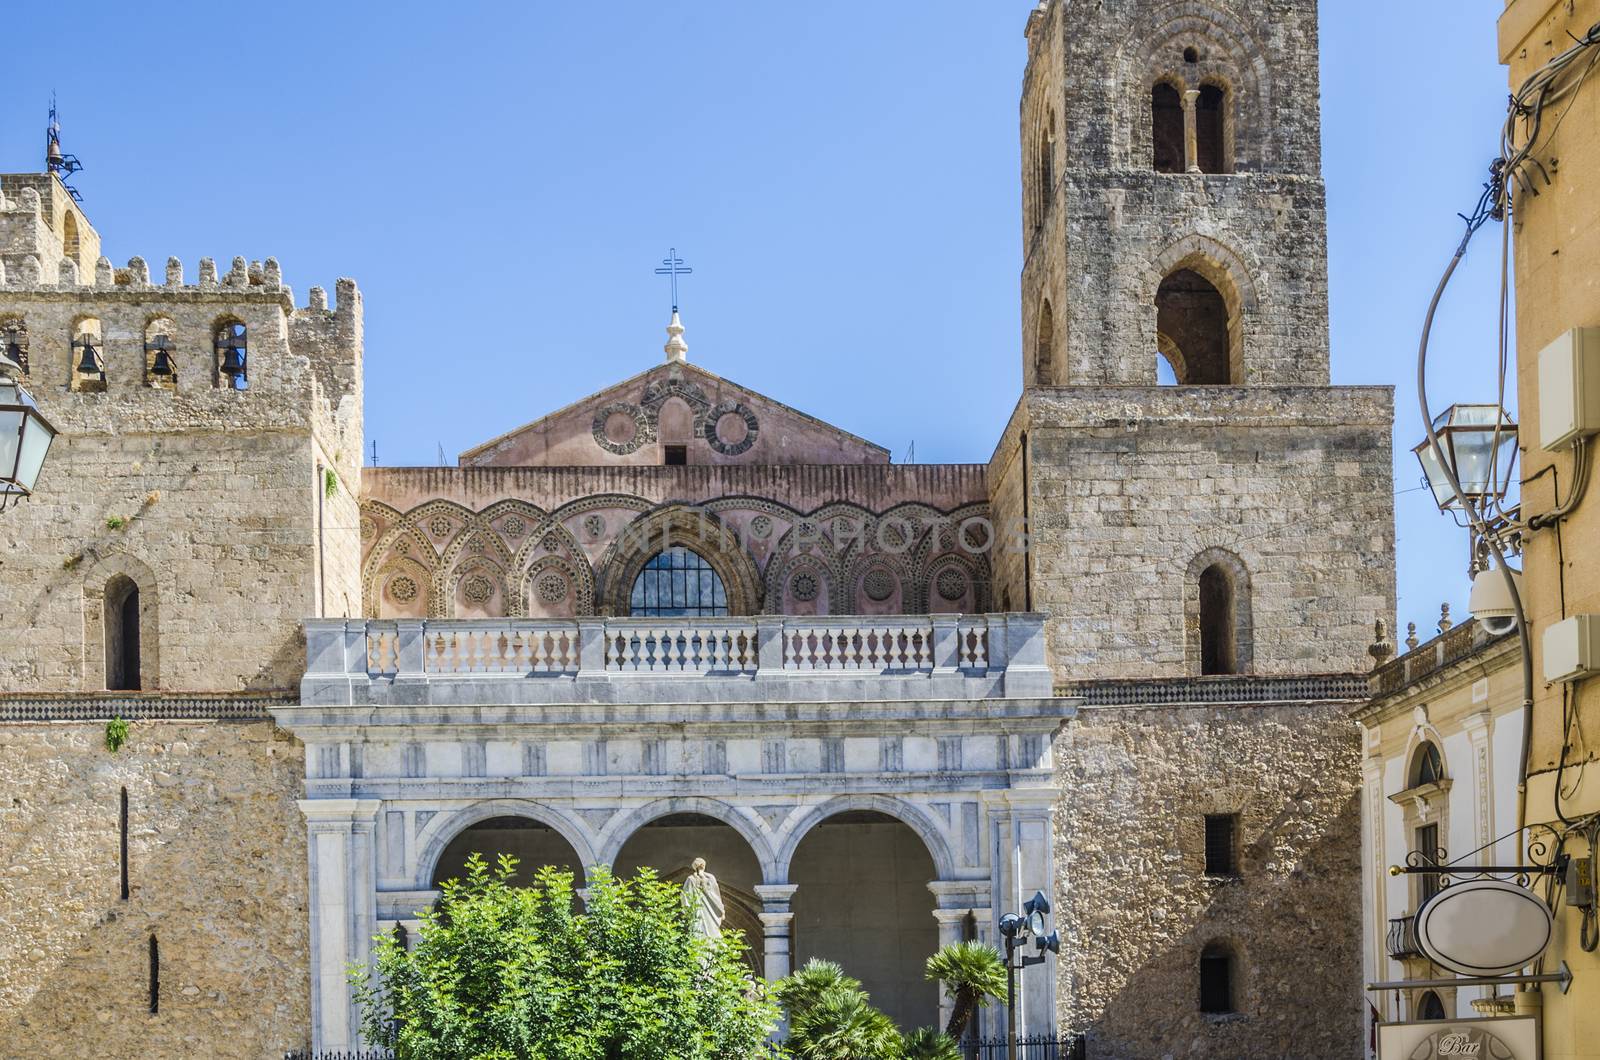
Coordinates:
column 1222, row 845
column 676, row 455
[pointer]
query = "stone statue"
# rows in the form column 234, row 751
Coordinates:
column 703, row 898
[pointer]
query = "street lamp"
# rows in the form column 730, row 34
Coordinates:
column 25, row 436
column 1478, row 443
column 1018, row 929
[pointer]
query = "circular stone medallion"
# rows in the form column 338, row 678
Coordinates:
column 952, row 584
column 552, row 588
column 878, row 585
column 477, row 589
column 803, row 587
column 403, row 589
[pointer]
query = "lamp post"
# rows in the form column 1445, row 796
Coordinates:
column 25, row 436
column 1018, row 929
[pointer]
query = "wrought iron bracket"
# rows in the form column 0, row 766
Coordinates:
column 1563, row 977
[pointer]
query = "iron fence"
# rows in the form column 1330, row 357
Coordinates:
column 1040, row 1047
column 347, row 1054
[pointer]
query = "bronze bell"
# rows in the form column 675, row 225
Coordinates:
column 232, row 362
column 162, row 366
column 89, row 364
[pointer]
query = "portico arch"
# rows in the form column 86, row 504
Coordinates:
column 862, row 898
column 906, row 813
column 620, row 829
column 445, row 828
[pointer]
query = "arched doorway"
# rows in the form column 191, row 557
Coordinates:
column 862, row 899
column 533, row 843
column 670, row 844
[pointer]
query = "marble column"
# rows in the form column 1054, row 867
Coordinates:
column 341, row 840
column 1191, row 131
column 955, row 901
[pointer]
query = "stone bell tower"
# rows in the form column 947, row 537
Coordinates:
column 1172, row 194
column 1209, row 526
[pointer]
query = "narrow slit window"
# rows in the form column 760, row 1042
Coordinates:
column 122, row 828
column 1218, row 654
column 155, row 976
column 122, row 635
column 1222, row 844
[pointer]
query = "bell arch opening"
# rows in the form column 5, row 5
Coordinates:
column 886, row 932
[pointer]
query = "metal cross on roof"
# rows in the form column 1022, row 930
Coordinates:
column 673, row 266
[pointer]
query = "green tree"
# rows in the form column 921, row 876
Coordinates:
column 830, row 1017
column 929, row 1043
column 516, row 973
column 972, row 973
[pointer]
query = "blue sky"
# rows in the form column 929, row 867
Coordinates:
column 841, row 174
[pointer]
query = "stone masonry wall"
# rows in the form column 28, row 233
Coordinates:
column 1137, row 908
column 1131, row 486
column 217, row 873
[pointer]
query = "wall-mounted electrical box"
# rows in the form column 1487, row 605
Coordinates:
column 1572, row 649
column 1569, row 388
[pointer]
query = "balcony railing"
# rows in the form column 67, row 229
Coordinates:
column 1403, row 939
column 645, row 660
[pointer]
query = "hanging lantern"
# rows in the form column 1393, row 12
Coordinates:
column 1480, row 444
column 25, row 437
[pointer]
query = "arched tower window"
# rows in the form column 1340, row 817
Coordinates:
column 69, row 237
column 122, row 635
column 1044, row 359
column 1166, row 113
column 1047, row 163
column 1193, row 328
column 1219, row 647
column 678, row 583
column 232, row 351
column 1211, row 130
column 1429, row 1007
column 1217, row 975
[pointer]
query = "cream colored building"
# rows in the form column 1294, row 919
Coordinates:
column 1441, row 740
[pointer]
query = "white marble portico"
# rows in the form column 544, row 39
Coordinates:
column 415, row 731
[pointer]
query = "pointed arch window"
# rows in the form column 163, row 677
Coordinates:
column 678, row 583
column 1427, row 765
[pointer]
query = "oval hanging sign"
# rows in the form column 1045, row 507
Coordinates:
column 1484, row 927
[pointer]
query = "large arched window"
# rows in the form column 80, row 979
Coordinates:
column 1166, row 114
column 678, row 583
column 1193, row 329
column 122, row 635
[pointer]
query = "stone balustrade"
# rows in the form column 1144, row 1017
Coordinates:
column 628, row 660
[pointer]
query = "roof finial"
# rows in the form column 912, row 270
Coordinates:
column 677, row 349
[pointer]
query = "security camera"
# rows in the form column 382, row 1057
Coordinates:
column 1491, row 602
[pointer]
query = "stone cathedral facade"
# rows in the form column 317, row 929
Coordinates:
column 678, row 618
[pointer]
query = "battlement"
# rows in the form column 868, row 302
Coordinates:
column 189, row 355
